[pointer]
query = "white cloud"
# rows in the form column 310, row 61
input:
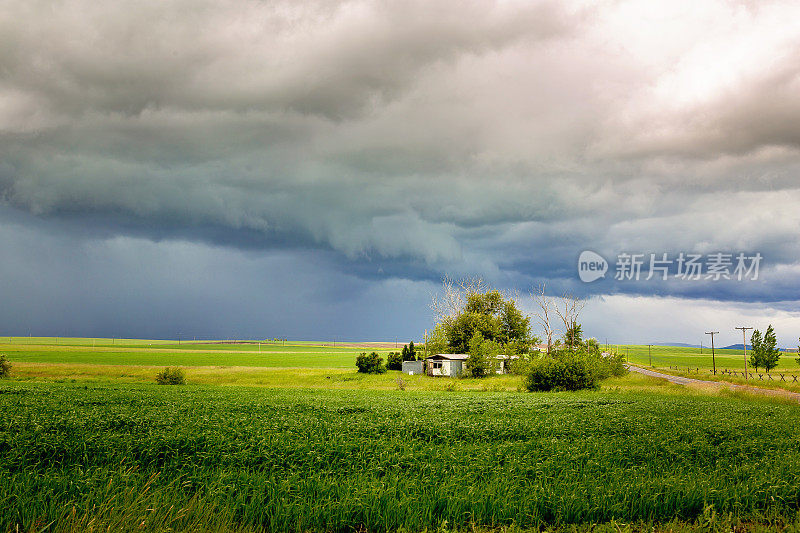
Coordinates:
column 647, row 319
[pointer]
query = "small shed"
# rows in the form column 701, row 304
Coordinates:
column 446, row 364
column 412, row 367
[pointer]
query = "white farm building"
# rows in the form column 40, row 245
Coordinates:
column 446, row 364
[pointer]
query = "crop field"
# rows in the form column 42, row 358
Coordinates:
column 144, row 457
column 666, row 356
column 160, row 353
column 88, row 442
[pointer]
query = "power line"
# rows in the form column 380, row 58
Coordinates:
column 713, row 360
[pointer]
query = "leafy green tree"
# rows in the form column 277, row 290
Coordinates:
column 495, row 318
column 770, row 351
column 756, row 358
column 482, row 352
column 437, row 340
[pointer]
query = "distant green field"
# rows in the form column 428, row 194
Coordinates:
column 108, row 458
column 666, row 356
column 145, row 353
column 295, row 354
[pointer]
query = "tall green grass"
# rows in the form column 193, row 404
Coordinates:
column 149, row 458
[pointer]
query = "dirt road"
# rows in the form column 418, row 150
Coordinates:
column 703, row 383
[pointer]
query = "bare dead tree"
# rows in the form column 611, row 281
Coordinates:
column 568, row 309
column 452, row 299
column 544, row 315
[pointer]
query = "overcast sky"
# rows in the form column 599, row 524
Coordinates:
column 312, row 169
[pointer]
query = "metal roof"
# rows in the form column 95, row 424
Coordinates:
column 450, row 356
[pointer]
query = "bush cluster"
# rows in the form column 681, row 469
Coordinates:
column 370, row 364
column 570, row 371
column 171, row 376
column 394, row 361
column 5, row 366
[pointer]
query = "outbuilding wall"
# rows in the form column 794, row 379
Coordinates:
column 412, row 367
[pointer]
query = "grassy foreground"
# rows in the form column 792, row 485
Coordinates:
column 83, row 457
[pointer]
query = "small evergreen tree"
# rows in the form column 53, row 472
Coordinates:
column 798, row 353
column 756, row 358
column 770, row 351
column 412, row 352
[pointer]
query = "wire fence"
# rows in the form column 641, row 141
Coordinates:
column 768, row 376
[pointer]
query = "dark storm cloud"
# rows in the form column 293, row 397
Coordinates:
column 403, row 140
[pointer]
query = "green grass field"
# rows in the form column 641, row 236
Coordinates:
column 144, row 457
column 293, row 438
column 186, row 354
column 666, row 356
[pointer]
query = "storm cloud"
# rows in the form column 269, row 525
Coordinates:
column 304, row 150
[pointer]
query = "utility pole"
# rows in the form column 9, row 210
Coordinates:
column 713, row 360
column 650, row 354
column 701, row 345
column 744, row 347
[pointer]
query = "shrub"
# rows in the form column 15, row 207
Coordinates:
column 572, row 370
column 521, row 366
column 394, row 361
column 171, row 376
column 370, row 364
column 5, row 366
column 616, row 364
column 568, row 373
